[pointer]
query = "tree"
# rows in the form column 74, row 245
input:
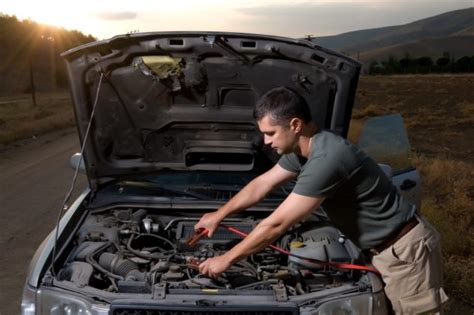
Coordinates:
column 424, row 64
column 376, row 68
column 392, row 65
column 465, row 64
column 30, row 54
column 407, row 65
column 442, row 62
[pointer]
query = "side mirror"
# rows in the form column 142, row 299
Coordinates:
column 77, row 161
column 385, row 140
column 387, row 169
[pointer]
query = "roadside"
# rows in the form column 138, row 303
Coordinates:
column 19, row 119
column 34, row 178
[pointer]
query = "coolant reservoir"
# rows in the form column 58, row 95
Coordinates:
column 325, row 248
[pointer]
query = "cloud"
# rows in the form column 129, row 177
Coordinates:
column 117, row 16
column 303, row 18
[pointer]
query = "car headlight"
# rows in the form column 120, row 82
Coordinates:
column 28, row 301
column 58, row 301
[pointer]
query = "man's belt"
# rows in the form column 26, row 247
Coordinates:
column 393, row 238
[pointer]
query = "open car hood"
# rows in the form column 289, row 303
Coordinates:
column 184, row 100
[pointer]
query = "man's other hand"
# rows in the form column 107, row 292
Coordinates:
column 213, row 267
column 209, row 221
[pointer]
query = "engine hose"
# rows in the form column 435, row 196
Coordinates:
column 162, row 239
column 242, row 265
column 114, row 263
column 312, row 260
column 139, row 254
column 299, row 288
column 94, row 264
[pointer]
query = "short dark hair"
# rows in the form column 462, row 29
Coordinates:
column 282, row 104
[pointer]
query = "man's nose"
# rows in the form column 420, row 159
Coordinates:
column 267, row 140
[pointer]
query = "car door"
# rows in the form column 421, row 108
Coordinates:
column 384, row 138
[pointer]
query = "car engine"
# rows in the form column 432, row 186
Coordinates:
column 134, row 250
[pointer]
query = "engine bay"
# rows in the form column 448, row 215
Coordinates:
column 133, row 250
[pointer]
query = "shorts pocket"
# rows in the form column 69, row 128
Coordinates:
column 412, row 251
column 409, row 253
column 429, row 300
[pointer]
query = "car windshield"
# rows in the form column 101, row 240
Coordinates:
column 205, row 185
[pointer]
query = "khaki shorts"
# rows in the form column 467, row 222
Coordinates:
column 411, row 271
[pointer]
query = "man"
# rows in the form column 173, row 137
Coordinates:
column 356, row 195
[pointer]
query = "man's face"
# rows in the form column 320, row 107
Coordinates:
column 282, row 138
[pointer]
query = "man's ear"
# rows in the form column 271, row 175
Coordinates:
column 296, row 124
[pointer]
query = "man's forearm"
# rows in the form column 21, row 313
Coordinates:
column 293, row 209
column 251, row 194
column 263, row 235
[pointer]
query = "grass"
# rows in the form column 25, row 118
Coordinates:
column 447, row 203
column 438, row 110
column 439, row 115
column 448, row 199
column 19, row 119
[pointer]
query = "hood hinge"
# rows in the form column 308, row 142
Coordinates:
column 94, row 186
column 48, row 280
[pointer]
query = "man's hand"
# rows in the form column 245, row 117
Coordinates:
column 293, row 209
column 213, row 267
column 209, row 221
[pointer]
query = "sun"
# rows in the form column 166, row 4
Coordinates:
column 60, row 13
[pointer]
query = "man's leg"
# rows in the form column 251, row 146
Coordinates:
column 411, row 271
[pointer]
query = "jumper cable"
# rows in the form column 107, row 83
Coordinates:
column 204, row 232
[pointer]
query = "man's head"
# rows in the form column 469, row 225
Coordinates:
column 282, row 104
column 282, row 115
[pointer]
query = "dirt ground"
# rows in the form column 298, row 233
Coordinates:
column 34, row 178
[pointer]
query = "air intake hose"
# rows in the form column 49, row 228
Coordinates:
column 122, row 267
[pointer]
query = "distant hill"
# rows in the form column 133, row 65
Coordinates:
column 456, row 46
column 31, row 50
column 451, row 32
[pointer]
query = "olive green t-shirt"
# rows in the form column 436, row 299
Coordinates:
column 360, row 200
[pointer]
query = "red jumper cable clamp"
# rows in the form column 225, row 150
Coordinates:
column 198, row 234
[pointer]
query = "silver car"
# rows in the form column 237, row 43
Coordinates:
column 165, row 122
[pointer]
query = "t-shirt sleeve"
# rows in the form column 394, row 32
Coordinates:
column 290, row 162
column 321, row 177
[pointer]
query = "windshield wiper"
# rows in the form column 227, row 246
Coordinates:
column 224, row 187
column 232, row 188
column 168, row 188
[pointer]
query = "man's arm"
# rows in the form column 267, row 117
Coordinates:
column 251, row 194
column 293, row 209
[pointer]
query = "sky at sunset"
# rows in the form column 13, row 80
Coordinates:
column 106, row 18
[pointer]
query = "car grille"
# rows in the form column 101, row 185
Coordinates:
column 156, row 310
